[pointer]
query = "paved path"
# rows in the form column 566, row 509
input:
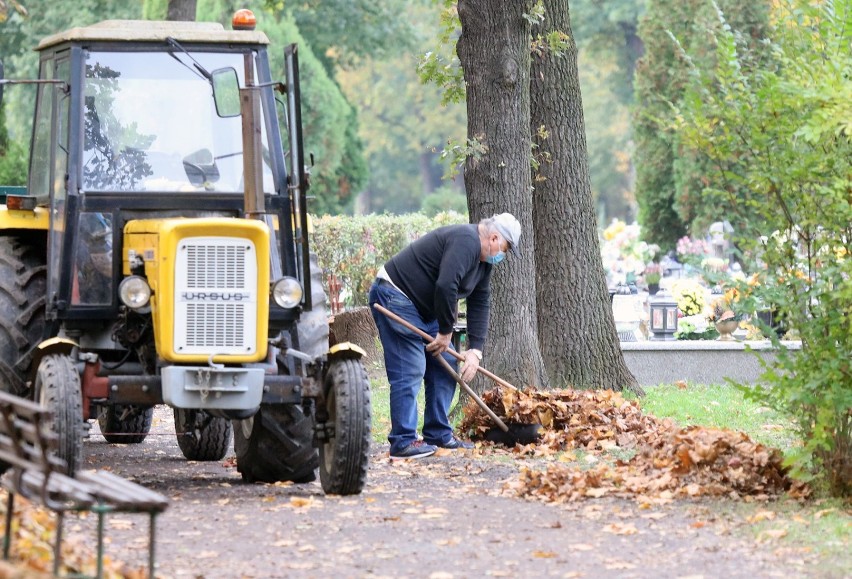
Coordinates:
column 440, row 518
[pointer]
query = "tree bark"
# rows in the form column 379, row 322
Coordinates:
column 576, row 330
column 494, row 53
column 182, row 10
column 357, row 326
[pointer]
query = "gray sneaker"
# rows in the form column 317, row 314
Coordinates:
column 417, row 449
column 454, row 444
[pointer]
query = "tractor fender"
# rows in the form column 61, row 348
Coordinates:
column 345, row 350
column 52, row 346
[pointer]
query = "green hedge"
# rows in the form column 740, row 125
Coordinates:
column 354, row 248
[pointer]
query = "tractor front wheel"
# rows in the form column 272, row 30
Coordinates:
column 344, row 452
column 57, row 388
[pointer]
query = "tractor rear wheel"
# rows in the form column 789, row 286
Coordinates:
column 276, row 444
column 202, row 436
column 57, row 388
column 344, row 454
column 125, row 424
column 23, row 288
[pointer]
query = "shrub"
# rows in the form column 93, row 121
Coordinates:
column 354, row 248
column 444, row 199
column 783, row 128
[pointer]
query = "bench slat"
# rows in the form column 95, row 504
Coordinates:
column 122, row 493
column 62, row 489
column 23, row 407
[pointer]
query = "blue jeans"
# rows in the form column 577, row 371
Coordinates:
column 408, row 364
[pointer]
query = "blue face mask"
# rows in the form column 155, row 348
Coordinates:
column 495, row 259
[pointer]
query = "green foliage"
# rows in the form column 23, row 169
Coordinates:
column 783, row 131
column 13, row 165
column 671, row 180
column 688, row 331
column 155, row 9
column 13, row 158
column 354, row 248
column 445, row 73
column 608, row 30
column 403, row 125
column 444, row 198
column 440, row 65
column 455, row 154
column 343, row 33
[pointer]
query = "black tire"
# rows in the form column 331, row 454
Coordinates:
column 125, row 424
column 313, row 325
column 57, row 388
column 23, row 279
column 345, row 454
column 201, row 436
column 276, row 444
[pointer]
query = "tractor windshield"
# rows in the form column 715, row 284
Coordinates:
column 151, row 125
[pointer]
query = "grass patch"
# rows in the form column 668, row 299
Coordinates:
column 380, row 396
column 719, row 406
column 819, row 533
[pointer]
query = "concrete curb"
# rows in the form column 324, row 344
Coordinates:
column 699, row 361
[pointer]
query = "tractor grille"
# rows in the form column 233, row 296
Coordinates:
column 215, row 296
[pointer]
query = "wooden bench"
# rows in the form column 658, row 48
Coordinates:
column 32, row 469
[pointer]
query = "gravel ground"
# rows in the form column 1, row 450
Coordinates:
column 441, row 517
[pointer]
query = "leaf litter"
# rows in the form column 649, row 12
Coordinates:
column 33, row 533
column 668, row 461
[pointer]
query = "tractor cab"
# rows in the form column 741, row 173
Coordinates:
column 169, row 232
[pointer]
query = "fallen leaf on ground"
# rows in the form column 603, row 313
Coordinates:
column 619, row 529
column 761, row 516
column 772, row 534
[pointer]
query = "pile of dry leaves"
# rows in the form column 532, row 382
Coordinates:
column 669, row 461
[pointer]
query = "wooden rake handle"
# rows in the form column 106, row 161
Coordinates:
column 426, row 336
column 448, row 368
column 479, row 402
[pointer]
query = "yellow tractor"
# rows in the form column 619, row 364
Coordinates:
column 160, row 255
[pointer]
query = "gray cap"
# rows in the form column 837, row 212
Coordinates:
column 509, row 228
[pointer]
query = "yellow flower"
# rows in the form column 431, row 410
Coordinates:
column 616, row 227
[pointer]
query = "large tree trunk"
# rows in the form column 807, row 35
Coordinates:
column 182, row 10
column 494, row 54
column 575, row 324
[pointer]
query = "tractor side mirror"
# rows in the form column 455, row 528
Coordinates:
column 226, row 92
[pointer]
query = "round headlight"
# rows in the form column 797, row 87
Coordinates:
column 287, row 292
column 134, row 292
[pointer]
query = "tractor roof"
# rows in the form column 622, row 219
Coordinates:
column 155, row 31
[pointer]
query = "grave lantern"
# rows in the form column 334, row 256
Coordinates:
column 663, row 313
